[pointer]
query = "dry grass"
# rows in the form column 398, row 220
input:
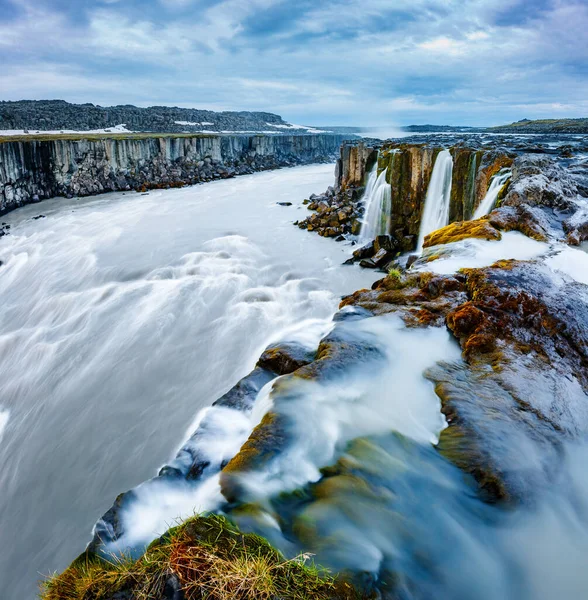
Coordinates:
column 210, row 559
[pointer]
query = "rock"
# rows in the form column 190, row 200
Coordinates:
column 172, row 589
column 33, row 170
column 285, row 203
column 480, row 229
column 528, row 220
column 540, row 181
column 382, row 257
column 285, row 357
column 385, row 242
column 367, row 263
column 523, row 332
column 411, row 260
column 366, row 251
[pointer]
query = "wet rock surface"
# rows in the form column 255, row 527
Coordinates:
column 522, row 330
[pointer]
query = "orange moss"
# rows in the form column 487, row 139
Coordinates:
column 462, row 230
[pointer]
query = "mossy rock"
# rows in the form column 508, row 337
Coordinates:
column 461, row 230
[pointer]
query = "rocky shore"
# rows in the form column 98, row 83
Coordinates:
column 34, row 170
column 516, row 396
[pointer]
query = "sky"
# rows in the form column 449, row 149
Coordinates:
column 315, row 62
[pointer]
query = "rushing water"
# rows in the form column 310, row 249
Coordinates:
column 378, row 205
column 489, row 200
column 124, row 316
column 436, row 211
column 121, row 316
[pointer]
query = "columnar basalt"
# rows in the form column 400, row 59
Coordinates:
column 33, row 170
column 408, row 170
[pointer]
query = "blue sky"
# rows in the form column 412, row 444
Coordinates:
column 321, row 62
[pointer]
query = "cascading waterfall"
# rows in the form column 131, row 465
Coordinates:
column 436, row 213
column 489, row 200
column 378, row 205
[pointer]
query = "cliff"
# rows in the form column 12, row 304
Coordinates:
column 408, row 171
column 31, row 170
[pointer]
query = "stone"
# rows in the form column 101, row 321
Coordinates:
column 366, row 251
column 385, row 242
column 285, row 357
column 382, row 257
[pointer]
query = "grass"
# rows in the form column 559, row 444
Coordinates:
column 210, row 559
column 395, row 274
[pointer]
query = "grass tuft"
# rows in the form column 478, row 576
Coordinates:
column 209, row 559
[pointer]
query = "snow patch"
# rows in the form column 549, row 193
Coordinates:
column 122, row 128
column 572, row 262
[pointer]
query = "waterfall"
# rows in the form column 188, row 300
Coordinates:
column 436, row 213
column 492, row 194
column 378, row 206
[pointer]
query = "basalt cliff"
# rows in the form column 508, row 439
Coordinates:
column 32, row 170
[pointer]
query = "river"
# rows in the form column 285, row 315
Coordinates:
column 121, row 316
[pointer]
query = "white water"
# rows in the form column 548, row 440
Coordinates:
column 489, row 200
column 123, row 315
column 475, row 253
column 378, row 204
column 436, row 211
column 369, row 399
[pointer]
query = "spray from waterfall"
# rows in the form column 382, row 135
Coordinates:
column 489, row 200
column 436, row 213
column 378, row 206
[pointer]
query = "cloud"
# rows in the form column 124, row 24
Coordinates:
column 345, row 61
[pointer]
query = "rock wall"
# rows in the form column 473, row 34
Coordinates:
column 33, row 170
column 409, row 172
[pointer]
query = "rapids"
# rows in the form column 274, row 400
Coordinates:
column 124, row 317
column 121, row 316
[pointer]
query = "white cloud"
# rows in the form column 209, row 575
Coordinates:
column 449, row 62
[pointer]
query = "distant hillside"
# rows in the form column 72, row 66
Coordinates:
column 58, row 115
column 440, row 128
column 544, row 126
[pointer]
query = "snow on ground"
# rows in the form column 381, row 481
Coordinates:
column 292, row 126
column 572, row 262
column 116, row 129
